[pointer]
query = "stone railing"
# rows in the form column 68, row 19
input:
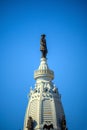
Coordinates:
column 42, row 73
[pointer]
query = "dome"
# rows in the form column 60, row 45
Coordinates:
column 43, row 64
column 44, row 71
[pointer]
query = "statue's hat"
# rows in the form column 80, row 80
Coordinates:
column 43, row 35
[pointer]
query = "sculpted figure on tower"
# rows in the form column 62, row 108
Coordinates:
column 43, row 47
column 30, row 123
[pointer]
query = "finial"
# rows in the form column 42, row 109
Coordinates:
column 43, row 47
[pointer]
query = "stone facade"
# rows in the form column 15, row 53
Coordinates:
column 44, row 104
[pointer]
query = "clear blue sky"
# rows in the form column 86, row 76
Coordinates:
column 65, row 24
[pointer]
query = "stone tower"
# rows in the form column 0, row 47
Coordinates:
column 44, row 110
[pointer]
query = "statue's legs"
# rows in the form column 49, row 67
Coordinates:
column 44, row 54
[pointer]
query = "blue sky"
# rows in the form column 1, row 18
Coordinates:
column 65, row 24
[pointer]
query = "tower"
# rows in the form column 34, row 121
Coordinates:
column 44, row 110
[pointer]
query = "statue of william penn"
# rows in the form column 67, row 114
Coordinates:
column 43, row 47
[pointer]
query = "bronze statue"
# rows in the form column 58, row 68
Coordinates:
column 43, row 47
column 63, row 123
column 30, row 123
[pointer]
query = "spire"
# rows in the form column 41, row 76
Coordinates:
column 45, row 110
